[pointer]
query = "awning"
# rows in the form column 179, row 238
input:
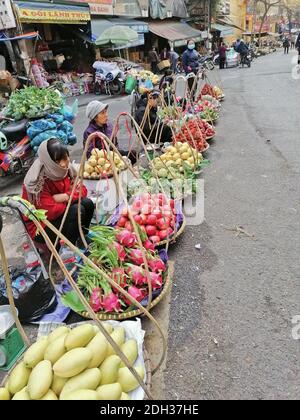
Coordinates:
column 52, row 13
column 176, row 33
column 30, row 35
column 225, row 30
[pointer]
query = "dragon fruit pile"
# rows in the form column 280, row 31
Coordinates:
column 155, row 215
column 116, row 252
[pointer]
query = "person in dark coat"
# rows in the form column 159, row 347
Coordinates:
column 165, row 55
column 286, row 45
column 154, row 60
column 147, row 118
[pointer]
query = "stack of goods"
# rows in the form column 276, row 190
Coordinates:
column 155, row 214
column 32, row 102
column 213, row 91
column 117, row 253
column 194, row 133
column 99, row 164
column 55, row 125
column 76, row 364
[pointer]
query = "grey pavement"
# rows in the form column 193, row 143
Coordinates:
column 228, row 318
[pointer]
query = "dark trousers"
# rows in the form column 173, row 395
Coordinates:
column 71, row 229
column 222, row 63
column 286, row 50
column 154, row 67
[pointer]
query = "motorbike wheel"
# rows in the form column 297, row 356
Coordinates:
column 116, row 87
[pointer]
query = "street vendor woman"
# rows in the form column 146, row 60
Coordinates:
column 97, row 114
column 147, row 118
column 48, row 186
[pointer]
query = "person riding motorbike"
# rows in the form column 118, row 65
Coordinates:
column 242, row 49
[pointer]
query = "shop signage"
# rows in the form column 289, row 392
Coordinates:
column 102, row 7
column 7, row 20
column 57, row 16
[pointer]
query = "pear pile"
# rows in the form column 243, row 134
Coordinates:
column 176, row 160
column 99, row 164
column 77, row 364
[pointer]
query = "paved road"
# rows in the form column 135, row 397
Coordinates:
column 230, row 334
column 229, row 316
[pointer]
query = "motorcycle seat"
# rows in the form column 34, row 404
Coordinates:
column 14, row 129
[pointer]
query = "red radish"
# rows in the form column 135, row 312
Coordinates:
column 146, row 209
column 126, row 238
column 138, row 219
column 163, row 224
column 161, row 198
column 157, row 265
column 148, row 245
column 172, row 204
column 128, row 226
column 166, row 207
column 146, row 197
column 170, row 231
column 163, row 234
column 151, row 230
column 172, row 222
column 137, row 205
column 157, row 213
column 125, row 212
column 168, row 213
column 155, row 239
column 123, row 220
column 136, row 256
column 143, row 219
column 151, row 220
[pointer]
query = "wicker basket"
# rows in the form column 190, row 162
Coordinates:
column 132, row 314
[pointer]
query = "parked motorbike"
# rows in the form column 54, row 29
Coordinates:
column 207, row 62
column 109, row 79
column 16, row 153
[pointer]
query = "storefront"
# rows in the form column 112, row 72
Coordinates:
column 62, row 54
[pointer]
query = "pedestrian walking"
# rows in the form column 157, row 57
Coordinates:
column 222, row 55
column 174, row 60
column 293, row 42
column 286, row 45
column 154, row 60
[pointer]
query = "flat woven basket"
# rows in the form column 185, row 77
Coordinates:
column 137, row 312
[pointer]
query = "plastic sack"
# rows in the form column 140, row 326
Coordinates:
column 130, row 84
column 72, row 139
column 34, row 296
column 70, row 112
column 62, row 136
column 67, row 127
column 46, row 135
column 40, row 126
column 57, row 118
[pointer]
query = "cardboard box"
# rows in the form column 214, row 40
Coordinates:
column 163, row 65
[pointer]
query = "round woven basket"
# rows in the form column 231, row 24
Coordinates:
column 131, row 314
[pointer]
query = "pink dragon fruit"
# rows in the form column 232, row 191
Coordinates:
column 156, row 281
column 136, row 293
column 137, row 275
column 136, row 256
column 126, row 238
column 157, row 265
column 111, row 303
column 95, row 299
column 120, row 250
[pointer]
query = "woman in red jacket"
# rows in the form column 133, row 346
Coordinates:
column 48, row 185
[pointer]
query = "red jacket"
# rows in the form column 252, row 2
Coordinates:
column 46, row 201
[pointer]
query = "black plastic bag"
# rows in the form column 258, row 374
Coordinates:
column 34, row 295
